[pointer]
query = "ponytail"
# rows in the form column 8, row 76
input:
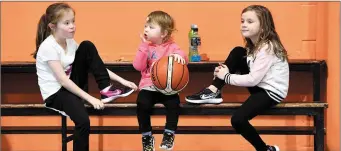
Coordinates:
column 43, row 32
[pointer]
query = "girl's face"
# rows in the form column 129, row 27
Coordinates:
column 153, row 33
column 65, row 27
column 250, row 25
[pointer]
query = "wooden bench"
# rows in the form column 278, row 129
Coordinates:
column 125, row 109
column 315, row 108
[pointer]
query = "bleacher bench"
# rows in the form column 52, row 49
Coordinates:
column 315, row 108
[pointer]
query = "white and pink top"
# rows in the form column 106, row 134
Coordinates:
column 267, row 71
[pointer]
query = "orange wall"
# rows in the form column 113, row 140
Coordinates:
column 115, row 26
column 333, row 89
column 309, row 30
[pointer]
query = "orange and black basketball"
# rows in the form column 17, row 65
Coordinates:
column 168, row 76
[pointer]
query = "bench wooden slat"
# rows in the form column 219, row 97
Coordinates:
column 222, row 105
column 288, row 130
column 295, row 61
column 29, row 67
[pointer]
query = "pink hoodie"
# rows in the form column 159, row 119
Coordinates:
column 148, row 53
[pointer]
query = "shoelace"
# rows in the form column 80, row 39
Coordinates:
column 271, row 148
column 148, row 148
column 168, row 139
column 148, row 145
column 201, row 92
column 124, row 89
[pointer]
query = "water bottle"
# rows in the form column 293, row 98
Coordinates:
column 194, row 44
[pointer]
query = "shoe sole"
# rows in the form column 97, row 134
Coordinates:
column 277, row 148
column 208, row 101
column 109, row 99
column 165, row 148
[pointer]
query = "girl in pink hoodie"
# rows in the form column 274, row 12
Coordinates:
column 156, row 43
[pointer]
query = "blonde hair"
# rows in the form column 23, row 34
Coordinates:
column 268, row 34
column 164, row 20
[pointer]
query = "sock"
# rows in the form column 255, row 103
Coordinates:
column 169, row 131
column 147, row 133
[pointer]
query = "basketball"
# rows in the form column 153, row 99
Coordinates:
column 168, row 76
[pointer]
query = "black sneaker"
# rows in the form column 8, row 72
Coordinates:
column 205, row 96
column 273, row 148
column 167, row 141
column 110, row 93
column 148, row 143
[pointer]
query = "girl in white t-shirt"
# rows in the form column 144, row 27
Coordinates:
column 62, row 69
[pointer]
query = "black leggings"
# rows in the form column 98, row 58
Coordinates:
column 66, row 102
column 145, row 103
column 257, row 102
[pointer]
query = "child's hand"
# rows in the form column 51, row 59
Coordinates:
column 129, row 84
column 221, row 71
column 96, row 103
column 216, row 69
column 143, row 39
column 178, row 58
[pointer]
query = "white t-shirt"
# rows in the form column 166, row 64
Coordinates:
column 51, row 50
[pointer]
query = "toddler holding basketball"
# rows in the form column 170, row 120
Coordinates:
column 156, row 43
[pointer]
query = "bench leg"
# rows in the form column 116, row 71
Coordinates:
column 320, row 131
column 64, row 134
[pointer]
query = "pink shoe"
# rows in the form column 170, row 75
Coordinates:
column 110, row 93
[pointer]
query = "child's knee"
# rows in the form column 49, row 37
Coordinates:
column 173, row 104
column 83, row 122
column 87, row 46
column 236, row 120
column 144, row 105
column 239, row 51
column 86, row 43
